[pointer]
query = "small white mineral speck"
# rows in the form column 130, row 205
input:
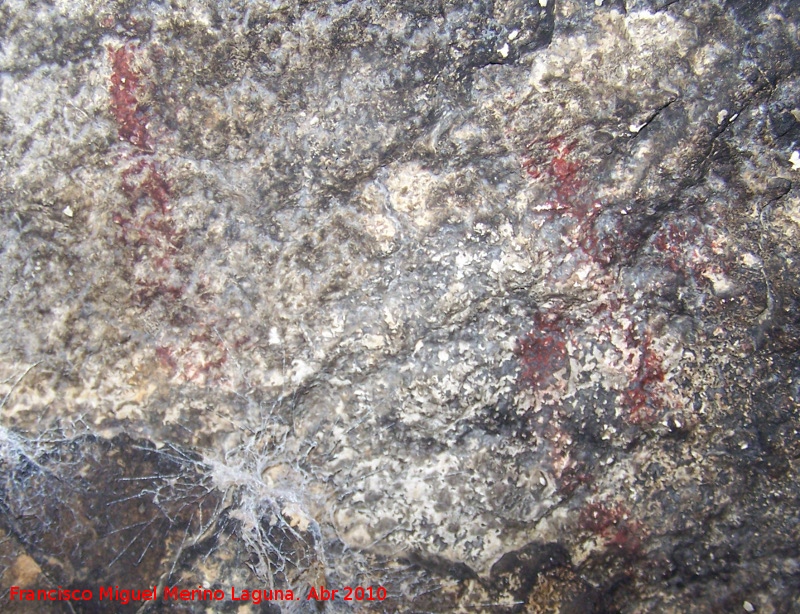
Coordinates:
column 795, row 160
column 69, row 212
column 748, row 607
column 274, row 336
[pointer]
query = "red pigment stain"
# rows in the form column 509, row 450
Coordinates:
column 165, row 358
column 602, row 245
column 152, row 185
column 672, row 236
column 555, row 164
column 199, row 369
column 612, row 523
column 683, row 247
column 147, row 229
column 563, row 170
column 553, row 160
column 199, row 359
column 641, row 398
column 598, row 517
column 542, row 351
column 128, row 111
column 627, row 539
column 574, row 476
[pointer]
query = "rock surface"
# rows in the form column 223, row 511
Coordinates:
column 493, row 304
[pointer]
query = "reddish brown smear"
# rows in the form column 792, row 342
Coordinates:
column 542, row 352
column 125, row 105
column 627, row 539
column 564, row 172
column 149, row 229
column 640, row 397
column 153, row 186
column 165, row 357
column 675, row 240
column 611, row 523
column 573, row 477
column 598, row 518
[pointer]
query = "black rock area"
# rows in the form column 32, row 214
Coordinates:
column 468, row 306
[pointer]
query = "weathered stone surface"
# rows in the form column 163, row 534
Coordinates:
column 492, row 304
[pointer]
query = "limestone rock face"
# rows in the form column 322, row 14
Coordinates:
column 490, row 305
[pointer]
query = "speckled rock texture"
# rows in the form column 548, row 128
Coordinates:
column 492, row 304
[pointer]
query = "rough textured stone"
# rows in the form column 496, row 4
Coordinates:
column 493, row 304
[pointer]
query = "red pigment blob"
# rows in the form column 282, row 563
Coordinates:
column 542, row 352
column 598, row 517
column 148, row 223
column 601, row 244
column 557, row 145
column 125, row 105
column 641, row 398
column 194, row 362
column 564, row 171
column 153, row 185
column 627, row 539
column 611, row 522
column 553, row 159
column 165, row 357
column 573, row 477
column 147, row 228
column 556, row 164
column 672, row 236
column 682, row 246
column 150, row 289
column 204, row 357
